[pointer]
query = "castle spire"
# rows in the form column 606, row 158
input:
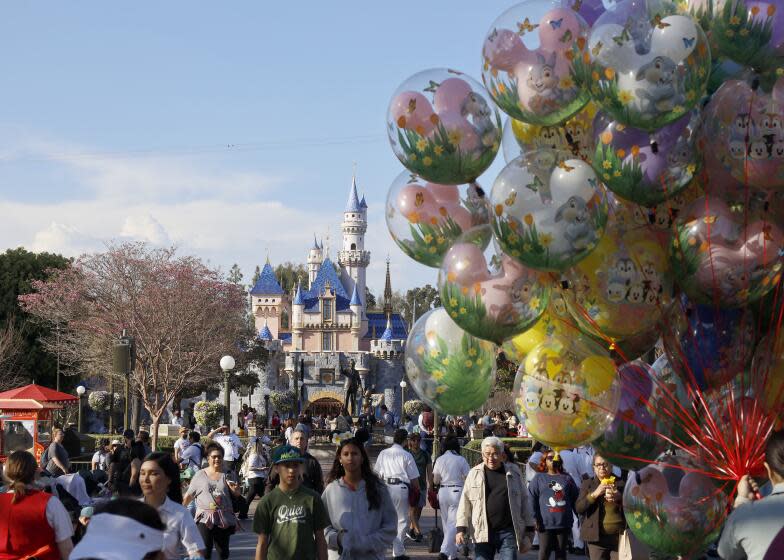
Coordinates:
column 353, row 204
column 388, row 295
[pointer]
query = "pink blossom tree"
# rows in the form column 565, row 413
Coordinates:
column 182, row 314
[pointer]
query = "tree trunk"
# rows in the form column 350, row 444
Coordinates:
column 156, row 419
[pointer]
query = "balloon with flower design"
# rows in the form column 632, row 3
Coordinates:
column 528, row 54
column 645, row 65
column 491, row 296
column 646, row 167
column 674, row 508
column 443, row 126
column 449, row 369
column 566, row 391
column 548, row 215
column 425, row 218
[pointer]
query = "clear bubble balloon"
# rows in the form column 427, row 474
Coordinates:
column 726, row 255
column 744, row 133
column 569, row 140
column 632, row 439
column 545, row 214
column 673, row 510
column 449, row 369
column 621, row 289
column 528, row 62
column 567, row 391
column 489, row 294
column 646, row 167
column 425, row 218
column 443, row 126
column 646, row 65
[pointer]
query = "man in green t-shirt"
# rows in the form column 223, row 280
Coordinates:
column 290, row 520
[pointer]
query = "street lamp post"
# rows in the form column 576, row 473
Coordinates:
column 226, row 364
column 403, row 386
column 80, row 391
column 266, row 407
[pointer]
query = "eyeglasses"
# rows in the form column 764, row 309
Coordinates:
column 602, row 465
column 215, row 457
column 492, row 455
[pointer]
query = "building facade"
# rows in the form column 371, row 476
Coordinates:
column 314, row 332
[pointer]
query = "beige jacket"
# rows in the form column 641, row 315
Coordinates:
column 471, row 512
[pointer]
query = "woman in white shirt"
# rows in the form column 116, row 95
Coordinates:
column 159, row 478
column 254, row 469
column 450, row 471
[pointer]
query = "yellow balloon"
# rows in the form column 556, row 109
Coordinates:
column 599, row 373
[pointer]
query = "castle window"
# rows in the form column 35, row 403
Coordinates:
column 326, row 308
column 326, row 342
column 353, row 246
column 284, row 319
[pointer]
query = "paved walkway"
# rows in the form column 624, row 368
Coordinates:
column 243, row 543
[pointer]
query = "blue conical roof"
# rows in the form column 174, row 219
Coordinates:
column 298, row 296
column 267, row 284
column 315, row 243
column 265, row 334
column 387, row 335
column 353, row 204
column 362, row 202
column 355, row 297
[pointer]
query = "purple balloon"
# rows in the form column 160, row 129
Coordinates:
column 590, row 10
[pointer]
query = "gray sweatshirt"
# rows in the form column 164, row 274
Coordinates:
column 368, row 533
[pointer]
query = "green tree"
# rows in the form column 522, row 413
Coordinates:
column 235, row 274
column 256, row 276
column 288, row 274
column 505, row 373
column 370, row 300
column 417, row 301
column 18, row 269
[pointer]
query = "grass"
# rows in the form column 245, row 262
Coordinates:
column 739, row 37
column 430, row 242
column 467, row 309
column 628, row 181
column 437, row 159
column 464, row 375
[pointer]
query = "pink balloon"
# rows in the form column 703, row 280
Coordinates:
column 445, row 194
column 504, row 49
column 412, row 110
column 460, row 131
column 559, row 28
column 450, row 96
column 415, row 201
column 461, row 216
column 465, row 264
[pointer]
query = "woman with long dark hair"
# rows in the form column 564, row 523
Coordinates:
column 159, row 477
column 363, row 519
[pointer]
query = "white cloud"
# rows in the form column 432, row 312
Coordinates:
column 64, row 239
column 145, row 228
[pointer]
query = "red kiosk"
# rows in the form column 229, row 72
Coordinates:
column 26, row 418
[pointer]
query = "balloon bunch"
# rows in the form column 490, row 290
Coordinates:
column 639, row 216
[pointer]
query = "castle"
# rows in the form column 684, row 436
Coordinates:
column 314, row 332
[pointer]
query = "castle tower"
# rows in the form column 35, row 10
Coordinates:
column 353, row 257
column 268, row 301
column 297, row 319
column 315, row 258
column 359, row 322
column 388, row 296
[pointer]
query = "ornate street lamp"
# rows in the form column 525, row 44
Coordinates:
column 80, row 391
column 226, row 364
column 403, row 386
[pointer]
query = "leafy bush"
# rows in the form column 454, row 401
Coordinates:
column 413, row 407
column 99, row 401
column 283, row 401
column 208, row 413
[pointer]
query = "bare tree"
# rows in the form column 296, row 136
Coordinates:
column 183, row 316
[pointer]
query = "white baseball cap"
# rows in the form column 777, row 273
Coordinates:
column 116, row 537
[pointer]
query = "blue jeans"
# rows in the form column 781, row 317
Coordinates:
column 503, row 542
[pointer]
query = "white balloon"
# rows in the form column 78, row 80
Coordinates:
column 677, row 40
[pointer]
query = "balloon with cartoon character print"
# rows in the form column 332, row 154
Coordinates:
column 645, row 65
column 489, row 294
column 566, row 391
column 443, row 126
column 528, row 61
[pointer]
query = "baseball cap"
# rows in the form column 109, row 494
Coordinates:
column 128, row 434
column 287, row 454
column 117, row 537
column 116, row 442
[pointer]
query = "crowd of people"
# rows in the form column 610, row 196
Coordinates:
column 187, row 503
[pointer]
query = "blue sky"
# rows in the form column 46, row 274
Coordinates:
column 229, row 129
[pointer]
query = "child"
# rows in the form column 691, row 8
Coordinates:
column 290, row 520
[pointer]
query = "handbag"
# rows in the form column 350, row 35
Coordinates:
column 436, row 534
column 432, row 498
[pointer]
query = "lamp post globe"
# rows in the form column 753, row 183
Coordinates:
column 403, row 386
column 227, row 364
column 80, row 392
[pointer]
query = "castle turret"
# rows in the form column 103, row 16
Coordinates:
column 315, row 258
column 353, row 257
column 268, row 301
column 359, row 323
column 297, row 319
